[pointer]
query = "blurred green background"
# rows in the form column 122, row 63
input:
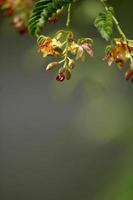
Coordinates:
column 70, row 140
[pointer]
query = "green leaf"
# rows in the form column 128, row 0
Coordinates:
column 42, row 11
column 104, row 24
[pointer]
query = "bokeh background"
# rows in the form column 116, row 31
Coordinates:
column 71, row 140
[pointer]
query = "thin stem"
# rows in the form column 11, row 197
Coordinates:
column 118, row 27
column 115, row 21
column 67, row 36
column 69, row 15
column 66, row 53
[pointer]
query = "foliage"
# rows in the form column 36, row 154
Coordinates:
column 104, row 24
column 63, row 45
column 43, row 10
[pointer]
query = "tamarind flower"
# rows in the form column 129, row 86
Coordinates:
column 119, row 52
column 64, row 73
column 60, row 77
column 76, row 49
column 19, row 11
column 18, row 23
column 79, row 48
column 61, row 74
column 64, row 49
column 50, row 47
column 88, row 48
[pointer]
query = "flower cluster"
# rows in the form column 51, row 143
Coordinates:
column 120, row 52
column 68, row 51
column 19, row 11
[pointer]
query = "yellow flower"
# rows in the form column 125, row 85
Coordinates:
column 119, row 53
column 79, row 48
column 50, row 47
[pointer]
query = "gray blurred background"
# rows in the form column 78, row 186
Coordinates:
column 70, row 140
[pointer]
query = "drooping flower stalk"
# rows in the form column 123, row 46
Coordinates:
column 67, row 69
column 55, row 47
column 120, row 49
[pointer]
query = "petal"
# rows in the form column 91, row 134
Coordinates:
column 60, row 77
column 88, row 49
column 109, row 59
column 79, row 53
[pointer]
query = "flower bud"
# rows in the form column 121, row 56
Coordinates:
column 62, row 70
column 68, row 74
column 60, row 77
column 51, row 66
